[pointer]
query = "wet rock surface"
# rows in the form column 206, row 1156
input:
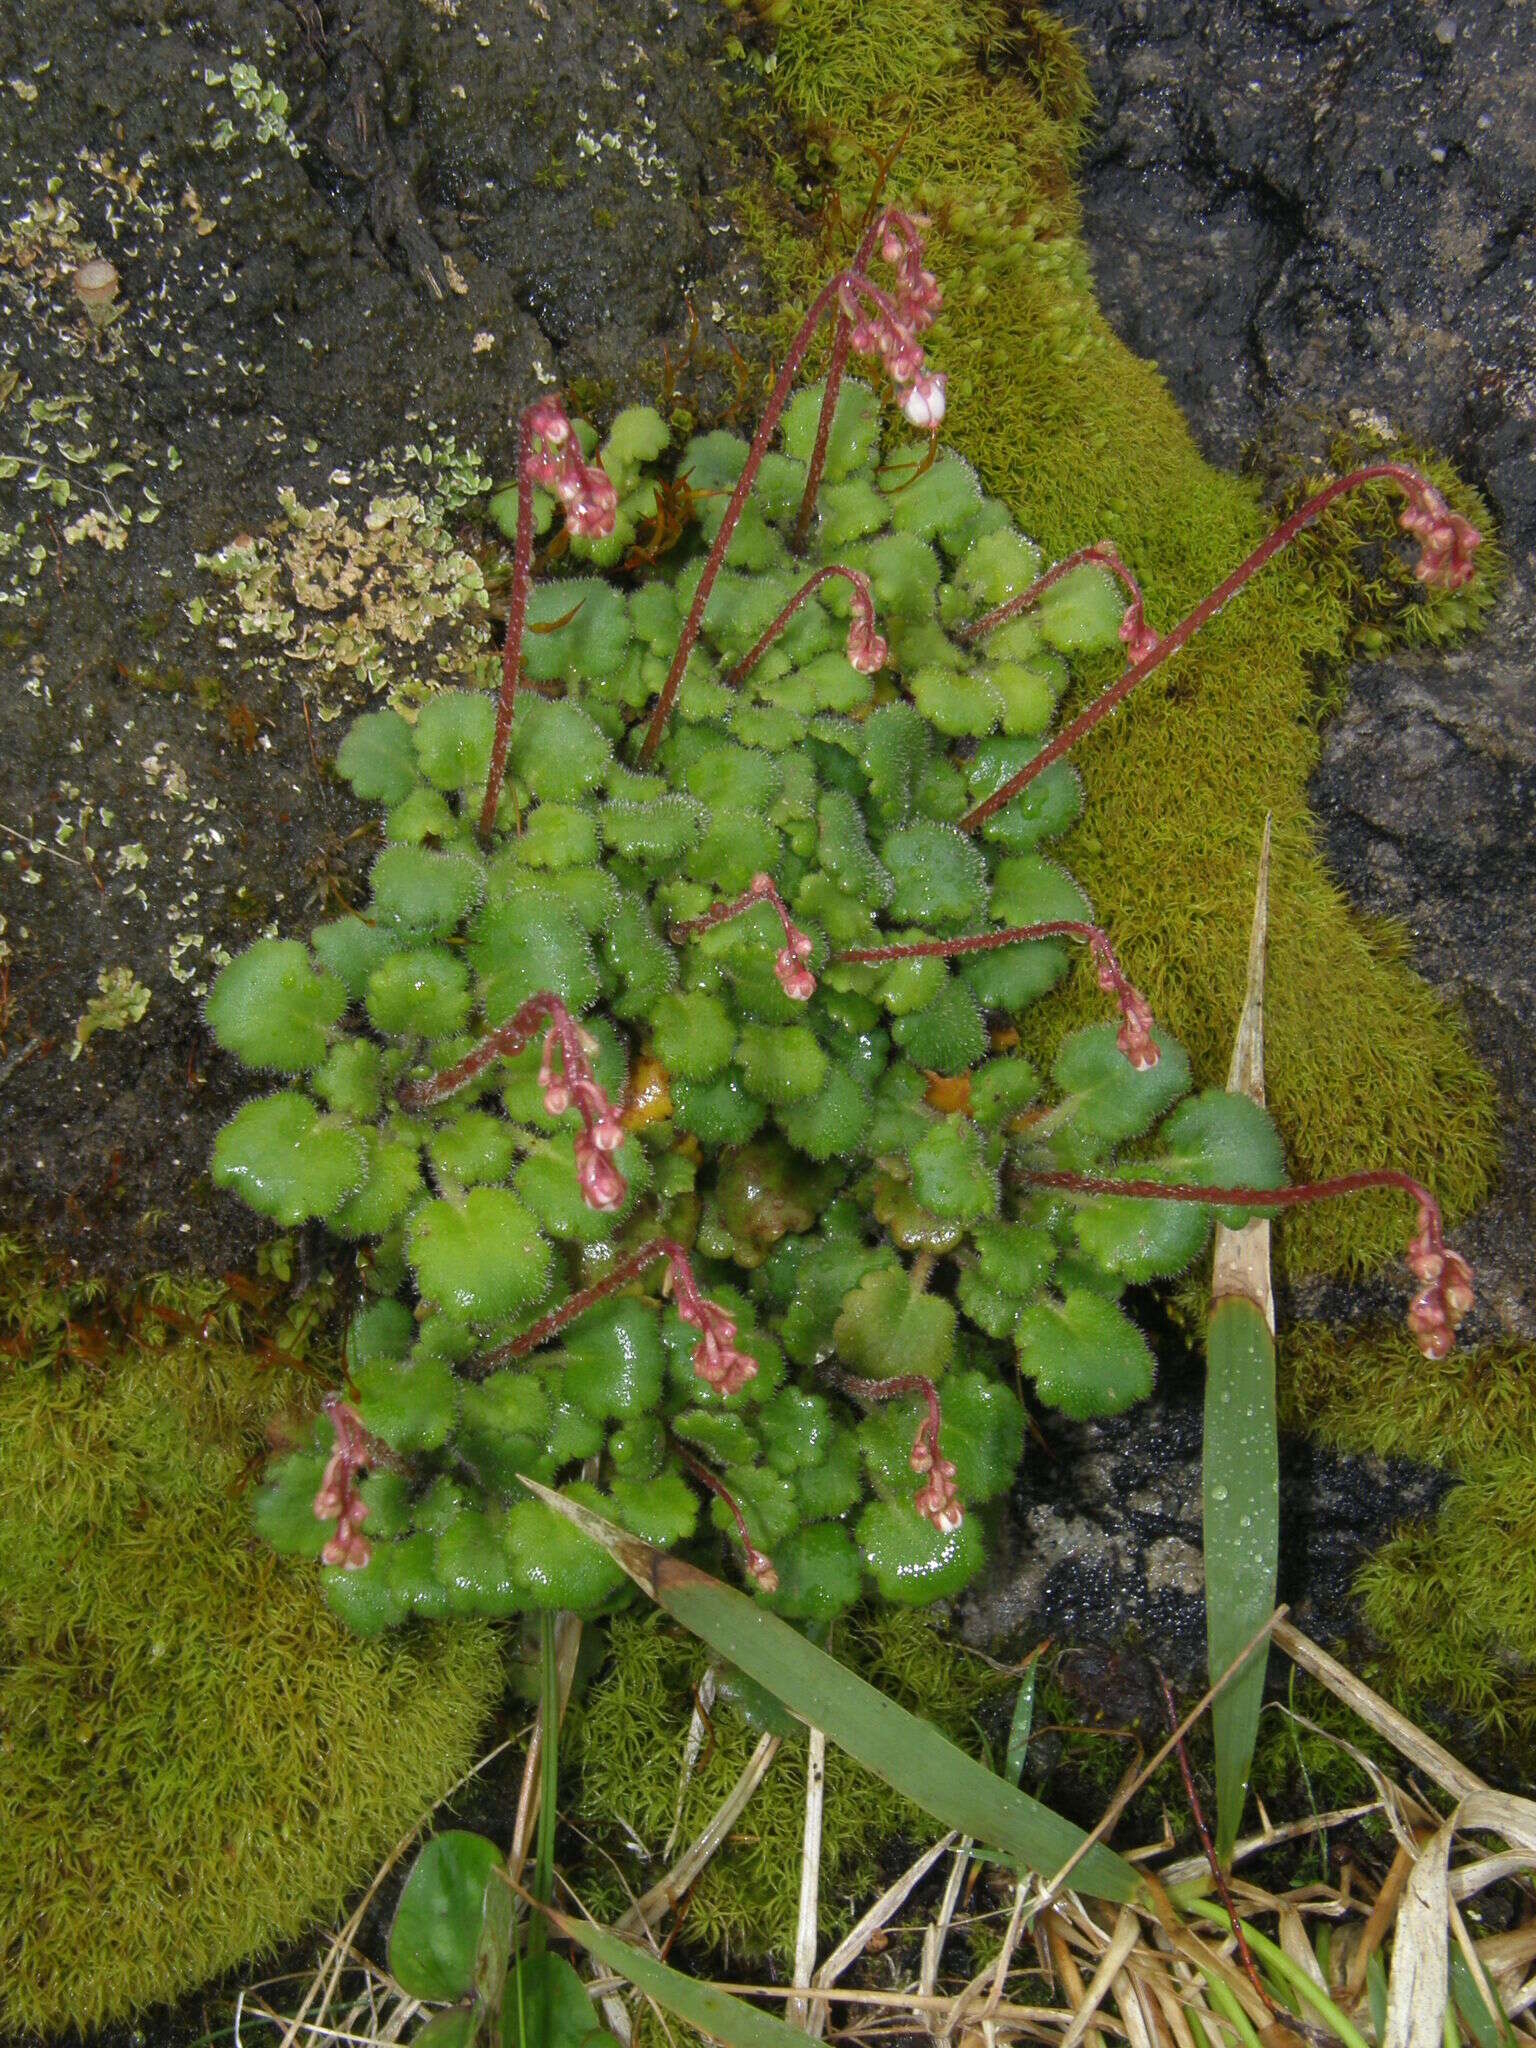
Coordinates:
column 349, row 238
column 1305, row 212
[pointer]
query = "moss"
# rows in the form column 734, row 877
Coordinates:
column 1083, row 441
column 1452, row 1599
column 625, row 1755
column 199, row 1761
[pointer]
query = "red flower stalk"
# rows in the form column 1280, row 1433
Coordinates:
column 937, row 1502
column 795, row 978
column 867, row 652
column 356, row 1451
column 572, row 1084
column 889, row 325
column 716, row 1359
column 1136, row 635
column 1445, row 1294
column 759, row 1565
column 900, row 244
column 1135, row 1035
column 1447, row 545
column 548, row 453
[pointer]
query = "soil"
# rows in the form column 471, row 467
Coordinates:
column 346, row 234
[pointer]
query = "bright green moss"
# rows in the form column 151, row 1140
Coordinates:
column 178, row 1706
column 1452, row 1599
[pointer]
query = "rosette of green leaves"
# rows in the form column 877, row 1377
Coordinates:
column 852, row 1171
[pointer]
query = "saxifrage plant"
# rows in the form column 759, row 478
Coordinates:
column 670, row 1074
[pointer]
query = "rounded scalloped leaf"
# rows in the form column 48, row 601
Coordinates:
column 904, row 574
column 781, row 1063
column 821, row 1573
column 951, row 1175
column 1001, row 1088
column 830, row 1124
column 382, row 1333
column 894, row 744
column 997, row 567
column 424, row 892
column 476, row 1146
column 558, row 751
column 614, row 1364
column 855, row 434
column 587, row 636
column 481, row 1259
column 734, row 849
column 472, row 1562
column 452, row 738
column 528, row 947
column 1111, row 1099
column 1084, row 1354
column 883, row 1329
column 351, row 948
column 718, row 1112
column 424, row 814
column 847, row 512
column 946, row 1035
column 983, row 1433
column 656, row 834
column 377, row 757
column 1219, row 1140
column 1137, row 1239
column 347, row 1081
column 1082, row 613
column 832, row 1487
column 956, row 701
column 1014, row 1257
column 410, row 1407
column 391, row 1183
column 423, row 992
column 436, row 1929
column 797, row 1429
column 693, row 1035
column 547, row 1181
column 913, row 1563
column 553, row 1564
column 931, row 502
column 285, row 1506
column 844, row 851
column 1042, row 810
column 270, row 1007
column 556, row 837
column 639, row 1449
column 371, row 1600
column 662, row 1510
column 940, row 875
column 286, row 1161
column 638, row 435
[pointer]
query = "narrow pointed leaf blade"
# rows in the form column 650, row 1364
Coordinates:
column 1242, row 1536
column 1242, row 1445
column 718, row 2014
column 906, row 1752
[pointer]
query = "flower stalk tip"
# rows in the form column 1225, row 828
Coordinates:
column 939, row 1501
column 355, row 1452
column 789, row 963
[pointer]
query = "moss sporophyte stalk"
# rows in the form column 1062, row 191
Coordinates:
column 684, row 1118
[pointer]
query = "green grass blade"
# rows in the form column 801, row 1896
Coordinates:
column 907, row 1753
column 1242, row 1537
column 719, row 2014
column 1242, row 1442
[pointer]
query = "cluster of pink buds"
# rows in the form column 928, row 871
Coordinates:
column 887, row 324
column 356, row 1451
column 794, row 977
column 1134, row 1037
column 573, row 1082
column 1445, row 1294
column 868, row 652
column 1447, row 542
column 555, row 460
column 937, row 1502
column 716, row 1359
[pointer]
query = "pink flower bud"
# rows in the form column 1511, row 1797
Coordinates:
column 601, row 1183
column 938, row 1502
column 1136, row 635
column 923, row 401
column 797, row 982
column 1447, row 542
column 716, row 1359
column 547, row 420
column 867, row 651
